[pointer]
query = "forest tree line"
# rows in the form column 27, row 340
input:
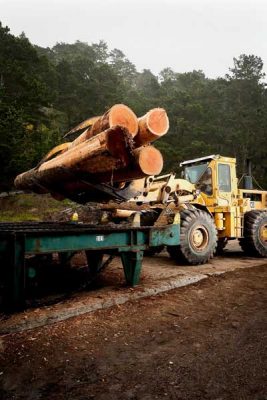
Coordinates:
column 46, row 91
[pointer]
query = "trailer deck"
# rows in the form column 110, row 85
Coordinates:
column 18, row 240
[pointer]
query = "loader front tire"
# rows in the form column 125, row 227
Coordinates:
column 254, row 242
column 198, row 238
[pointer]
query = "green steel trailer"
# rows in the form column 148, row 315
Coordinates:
column 18, row 240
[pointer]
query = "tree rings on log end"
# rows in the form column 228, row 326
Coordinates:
column 152, row 126
column 157, row 121
column 149, row 160
column 120, row 115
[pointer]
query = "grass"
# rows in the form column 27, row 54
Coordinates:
column 31, row 207
column 20, row 217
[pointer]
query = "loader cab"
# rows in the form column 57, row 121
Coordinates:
column 214, row 176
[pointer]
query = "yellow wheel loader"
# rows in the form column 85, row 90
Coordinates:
column 209, row 206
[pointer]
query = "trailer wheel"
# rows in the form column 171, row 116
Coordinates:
column 198, row 238
column 254, row 242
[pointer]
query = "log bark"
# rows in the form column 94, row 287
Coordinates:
column 82, row 126
column 122, row 213
column 82, row 138
column 61, row 148
column 152, row 126
column 147, row 161
column 110, row 149
column 119, row 114
column 115, row 142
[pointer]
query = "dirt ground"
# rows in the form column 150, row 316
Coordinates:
column 204, row 341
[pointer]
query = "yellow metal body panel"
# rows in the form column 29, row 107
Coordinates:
column 222, row 198
column 219, row 221
column 229, row 206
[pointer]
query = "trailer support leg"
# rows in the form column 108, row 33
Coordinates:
column 14, row 275
column 94, row 261
column 132, row 264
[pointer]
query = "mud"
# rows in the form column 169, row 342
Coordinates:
column 203, row 341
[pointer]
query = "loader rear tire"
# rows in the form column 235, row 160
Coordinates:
column 198, row 238
column 254, row 242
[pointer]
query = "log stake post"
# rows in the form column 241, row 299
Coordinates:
column 132, row 264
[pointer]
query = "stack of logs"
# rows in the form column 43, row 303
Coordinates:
column 113, row 148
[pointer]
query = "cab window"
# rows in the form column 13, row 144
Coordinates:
column 224, row 177
column 194, row 172
column 205, row 182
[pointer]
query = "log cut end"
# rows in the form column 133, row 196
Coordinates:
column 150, row 160
column 123, row 116
column 111, row 149
column 157, row 121
column 152, row 126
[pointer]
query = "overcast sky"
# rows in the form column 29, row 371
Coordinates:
column 154, row 34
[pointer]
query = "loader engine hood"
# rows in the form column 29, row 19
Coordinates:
column 184, row 185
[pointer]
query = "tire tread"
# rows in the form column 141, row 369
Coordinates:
column 183, row 253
